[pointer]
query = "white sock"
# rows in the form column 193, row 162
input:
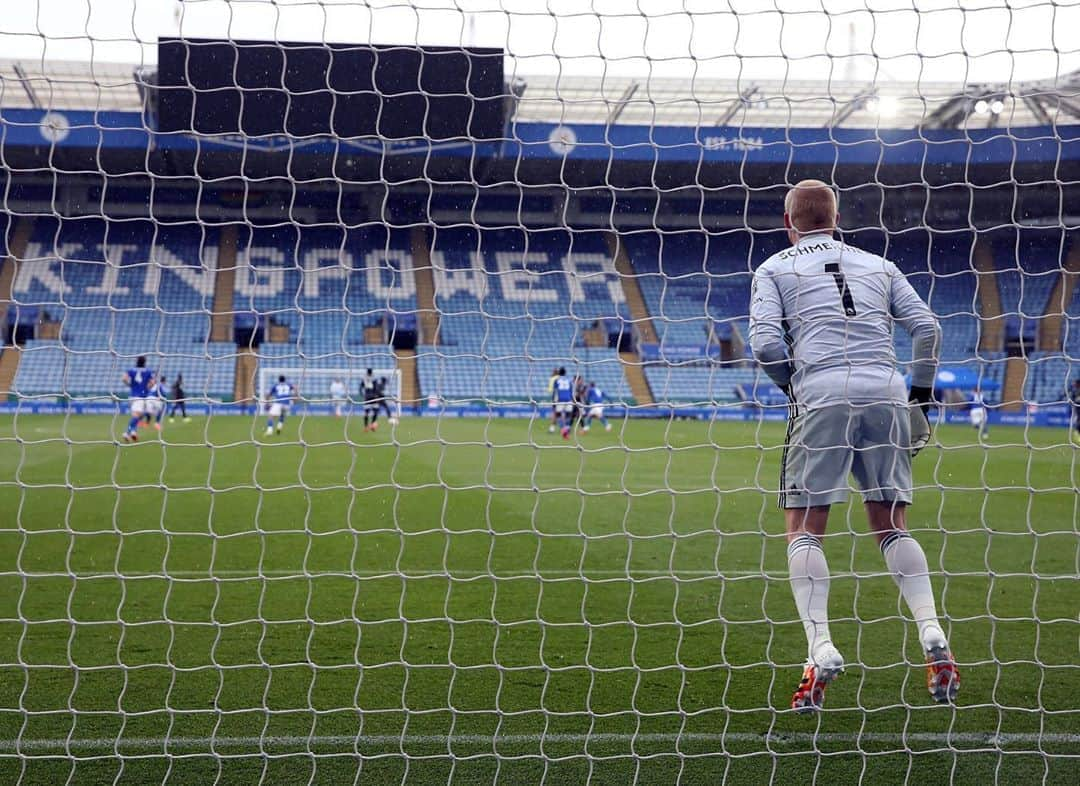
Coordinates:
column 809, row 576
column 907, row 563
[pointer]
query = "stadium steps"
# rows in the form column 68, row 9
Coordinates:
column 221, row 321
column 11, row 355
column 425, row 287
column 1057, row 307
column 9, row 367
column 17, row 241
column 410, row 381
column 635, row 378
column 639, row 312
column 247, row 366
column 1012, row 395
column 991, row 321
column 595, row 338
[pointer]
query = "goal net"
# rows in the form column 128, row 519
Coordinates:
column 540, row 221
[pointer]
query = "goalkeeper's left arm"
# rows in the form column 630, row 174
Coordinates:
column 916, row 317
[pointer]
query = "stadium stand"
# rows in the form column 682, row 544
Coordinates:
column 120, row 289
column 515, row 304
column 1049, row 376
column 1071, row 332
column 49, row 366
column 692, row 281
column 699, row 283
column 325, row 284
column 711, row 385
column 1027, row 260
column 1051, row 372
column 146, row 285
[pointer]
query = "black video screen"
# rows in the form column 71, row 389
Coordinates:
column 257, row 88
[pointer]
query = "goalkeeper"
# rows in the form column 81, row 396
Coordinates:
column 834, row 306
column 369, row 391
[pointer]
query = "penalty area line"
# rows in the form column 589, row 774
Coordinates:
column 942, row 740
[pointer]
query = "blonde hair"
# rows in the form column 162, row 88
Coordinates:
column 810, row 205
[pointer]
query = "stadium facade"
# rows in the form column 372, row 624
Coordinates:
column 611, row 227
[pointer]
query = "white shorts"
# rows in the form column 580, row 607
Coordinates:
column 978, row 416
column 154, row 405
column 824, row 445
column 140, row 406
column 337, row 402
column 596, row 412
column 564, row 407
column 277, row 409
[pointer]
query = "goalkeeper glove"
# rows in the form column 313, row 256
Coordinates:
column 919, row 412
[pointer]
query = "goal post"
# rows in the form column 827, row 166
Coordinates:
column 313, row 386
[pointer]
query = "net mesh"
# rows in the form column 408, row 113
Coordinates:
column 470, row 596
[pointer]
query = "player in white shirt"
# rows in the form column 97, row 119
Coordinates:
column 155, row 403
column 821, row 325
column 977, row 414
column 563, row 391
column 278, row 401
column 551, row 394
column 338, row 394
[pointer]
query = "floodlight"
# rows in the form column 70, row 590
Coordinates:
column 888, row 106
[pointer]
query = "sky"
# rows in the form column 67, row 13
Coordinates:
column 893, row 40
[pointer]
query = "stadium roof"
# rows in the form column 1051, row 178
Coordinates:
column 101, row 86
column 793, row 103
column 69, row 85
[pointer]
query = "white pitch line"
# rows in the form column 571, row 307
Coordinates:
column 587, row 573
column 942, row 740
column 411, row 574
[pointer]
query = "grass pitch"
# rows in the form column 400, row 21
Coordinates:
column 473, row 601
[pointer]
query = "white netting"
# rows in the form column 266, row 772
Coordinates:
column 471, row 597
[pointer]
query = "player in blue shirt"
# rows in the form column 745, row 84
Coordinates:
column 563, row 392
column 594, row 407
column 139, row 380
column 278, row 401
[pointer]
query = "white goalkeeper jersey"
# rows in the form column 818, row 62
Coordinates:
column 821, row 320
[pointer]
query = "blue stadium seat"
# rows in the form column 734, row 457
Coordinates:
column 50, row 368
column 121, row 289
column 326, row 284
column 513, row 305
